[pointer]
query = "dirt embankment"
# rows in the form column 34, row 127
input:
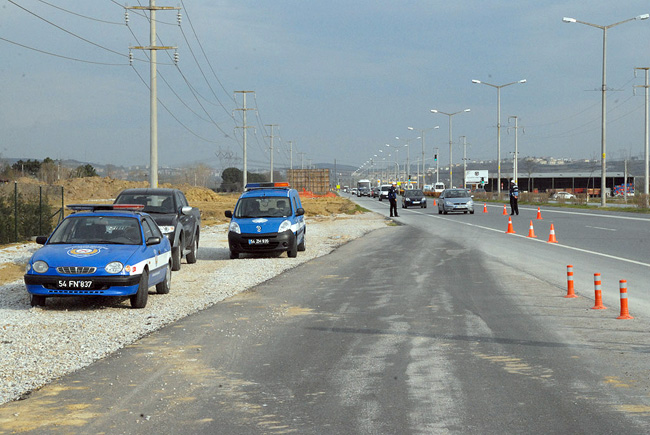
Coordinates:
column 99, row 190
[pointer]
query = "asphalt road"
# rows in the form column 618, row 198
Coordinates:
column 444, row 324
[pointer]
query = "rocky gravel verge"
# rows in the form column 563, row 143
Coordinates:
column 40, row 344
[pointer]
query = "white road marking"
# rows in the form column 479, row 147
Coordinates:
column 601, row 228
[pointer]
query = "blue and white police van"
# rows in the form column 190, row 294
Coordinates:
column 267, row 217
column 101, row 250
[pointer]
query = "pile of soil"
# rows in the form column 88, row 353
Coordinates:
column 212, row 204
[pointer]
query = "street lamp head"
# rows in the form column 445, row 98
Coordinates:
column 476, row 81
column 409, row 128
column 569, row 20
column 522, row 81
column 434, row 111
column 437, row 126
column 643, row 17
column 467, row 110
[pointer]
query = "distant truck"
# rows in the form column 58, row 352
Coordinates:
column 438, row 187
column 177, row 220
column 363, row 188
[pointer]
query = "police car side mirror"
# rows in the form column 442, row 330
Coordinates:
column 228, row 213
column 153, row 241
column 300, row 211
column 41, row 240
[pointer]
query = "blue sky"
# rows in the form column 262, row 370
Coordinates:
column 340, row 79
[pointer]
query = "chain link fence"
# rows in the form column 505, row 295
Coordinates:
column 28, row 210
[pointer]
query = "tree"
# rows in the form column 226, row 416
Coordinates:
column 232, row 179
column 28, row 167
column 85, row 171
column 48, row 172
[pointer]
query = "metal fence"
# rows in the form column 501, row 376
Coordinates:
column 28, row 210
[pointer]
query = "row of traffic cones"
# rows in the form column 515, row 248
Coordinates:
column 531, row 231
column 505, row 211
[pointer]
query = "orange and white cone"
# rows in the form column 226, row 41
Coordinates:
column 531, row 231
column 539, row 214
column 510, row 229
column 598, row 293
column 434, row 202
column 551, row 236
column 505, row 212
column 625, row 313
column 570, row 290
column 484, row 208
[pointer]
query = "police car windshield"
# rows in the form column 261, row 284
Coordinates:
column 267, row 206
column 99, row 230
column 152, row 203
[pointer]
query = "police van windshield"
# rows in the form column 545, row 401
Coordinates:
column 268, row 206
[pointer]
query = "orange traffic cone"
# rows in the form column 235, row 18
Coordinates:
column 551, row 236
column 531, row 231
column 434, row 202
column 504, row 210
column 539, row 214
column 484, row 208
column 510, row 229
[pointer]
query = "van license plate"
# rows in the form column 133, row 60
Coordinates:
column 258, row 241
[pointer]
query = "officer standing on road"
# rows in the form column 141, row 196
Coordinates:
column 392, row 198
column 514, row 198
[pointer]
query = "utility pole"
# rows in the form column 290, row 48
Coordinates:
column 646, row 182
column 153, row 87
column 515, row 165
column 464, row 161
column 271, row 125
column 244, row 110
column 291, row 160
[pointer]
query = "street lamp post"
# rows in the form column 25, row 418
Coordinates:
column 435, row 157
column 451, row 184
column 498, row 88
column 603, row 178
column 422, row 136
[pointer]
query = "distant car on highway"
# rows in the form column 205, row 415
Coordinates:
column 563, row 195
column 414, row 197
column 383, row 191
column 455, row 200
column 363, row 191
column 374, row 192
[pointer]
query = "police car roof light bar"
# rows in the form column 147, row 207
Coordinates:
column 101, row 207
column 267, row 185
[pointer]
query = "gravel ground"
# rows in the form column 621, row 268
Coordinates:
column 40, row 344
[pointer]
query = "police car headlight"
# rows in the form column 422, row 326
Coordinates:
column 166, row 229
column 114, row 267
column 234, row 227
column 40, row 267
column 284, row 226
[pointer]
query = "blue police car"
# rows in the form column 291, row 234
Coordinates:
column 267, row 217
column 101, row 250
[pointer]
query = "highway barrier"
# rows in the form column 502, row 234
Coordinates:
column 599, row 294
column 570, row 293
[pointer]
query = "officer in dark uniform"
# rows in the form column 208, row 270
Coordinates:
column 514, row 198
column 392, row 198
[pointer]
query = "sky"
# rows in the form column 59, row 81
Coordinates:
column 339, row 80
